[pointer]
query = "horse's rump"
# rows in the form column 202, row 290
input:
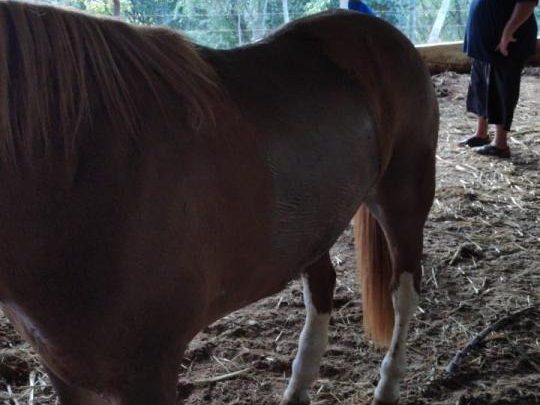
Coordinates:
column 382, row 65
column 338, row 97
column 333, row 103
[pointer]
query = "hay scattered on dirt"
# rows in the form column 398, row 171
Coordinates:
column 481, row 262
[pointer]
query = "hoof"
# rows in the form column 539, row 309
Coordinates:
column 294, row 400
column 377, row 402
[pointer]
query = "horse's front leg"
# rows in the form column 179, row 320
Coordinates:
column 319, row 281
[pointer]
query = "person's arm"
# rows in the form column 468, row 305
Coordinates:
column 522, row 11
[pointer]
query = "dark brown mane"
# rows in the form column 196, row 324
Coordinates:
column 62, row 65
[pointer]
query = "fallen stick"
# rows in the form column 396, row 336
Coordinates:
column 222, row 377
column 461, row 354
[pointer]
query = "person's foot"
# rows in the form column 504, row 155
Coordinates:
column 492, row 150
column 474, row 141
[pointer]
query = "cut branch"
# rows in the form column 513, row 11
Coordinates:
column 453, row 366
column 222, row 377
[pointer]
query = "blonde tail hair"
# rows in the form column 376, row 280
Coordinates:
column 374, row 269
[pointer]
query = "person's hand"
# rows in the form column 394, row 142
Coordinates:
column 506, row 39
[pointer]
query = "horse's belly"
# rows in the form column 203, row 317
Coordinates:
column 319, row 181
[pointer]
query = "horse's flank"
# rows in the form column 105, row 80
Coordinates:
column 65, row 66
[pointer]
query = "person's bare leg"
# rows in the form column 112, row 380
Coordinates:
column 498, row 146
column 501, row 137
column 482, row 128
column 480, row 137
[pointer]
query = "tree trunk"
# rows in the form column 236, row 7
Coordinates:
column 412, row 35
column 239, row 29
column 286, row 16
column 259, row 26
column 435, row 33
column 116, row 8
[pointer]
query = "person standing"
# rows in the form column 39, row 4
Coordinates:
column 499, row 37
column 360, row 7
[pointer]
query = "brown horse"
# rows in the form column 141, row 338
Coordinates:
column 149, row 187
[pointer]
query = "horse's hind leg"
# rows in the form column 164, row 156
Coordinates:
column 151, row 381
column 154, row 386
column 319, row 281
column 405, row 300
column 401, row 204
column 72, row 395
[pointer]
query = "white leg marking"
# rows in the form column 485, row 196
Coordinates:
column 312, row 345
column 405, row 300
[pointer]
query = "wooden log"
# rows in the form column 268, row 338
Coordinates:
column 449, row 56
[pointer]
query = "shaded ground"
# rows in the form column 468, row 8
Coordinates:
column 482, row 259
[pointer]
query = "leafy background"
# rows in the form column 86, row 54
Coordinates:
column 229, row 23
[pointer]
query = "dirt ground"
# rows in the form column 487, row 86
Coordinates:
column 481, row 263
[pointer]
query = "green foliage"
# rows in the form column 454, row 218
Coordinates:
column 316, row 6
column 229, row 23
column 92, row 6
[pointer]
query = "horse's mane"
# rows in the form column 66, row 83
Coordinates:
column 58, row 66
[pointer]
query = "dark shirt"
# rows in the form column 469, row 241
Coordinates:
column 487, row 19
column 361, row 7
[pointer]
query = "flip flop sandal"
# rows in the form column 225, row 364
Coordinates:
column 474, row 141
column 490, row 150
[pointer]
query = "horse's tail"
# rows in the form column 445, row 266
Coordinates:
column 375, row 275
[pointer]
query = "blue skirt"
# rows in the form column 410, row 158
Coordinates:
column 494, row 91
